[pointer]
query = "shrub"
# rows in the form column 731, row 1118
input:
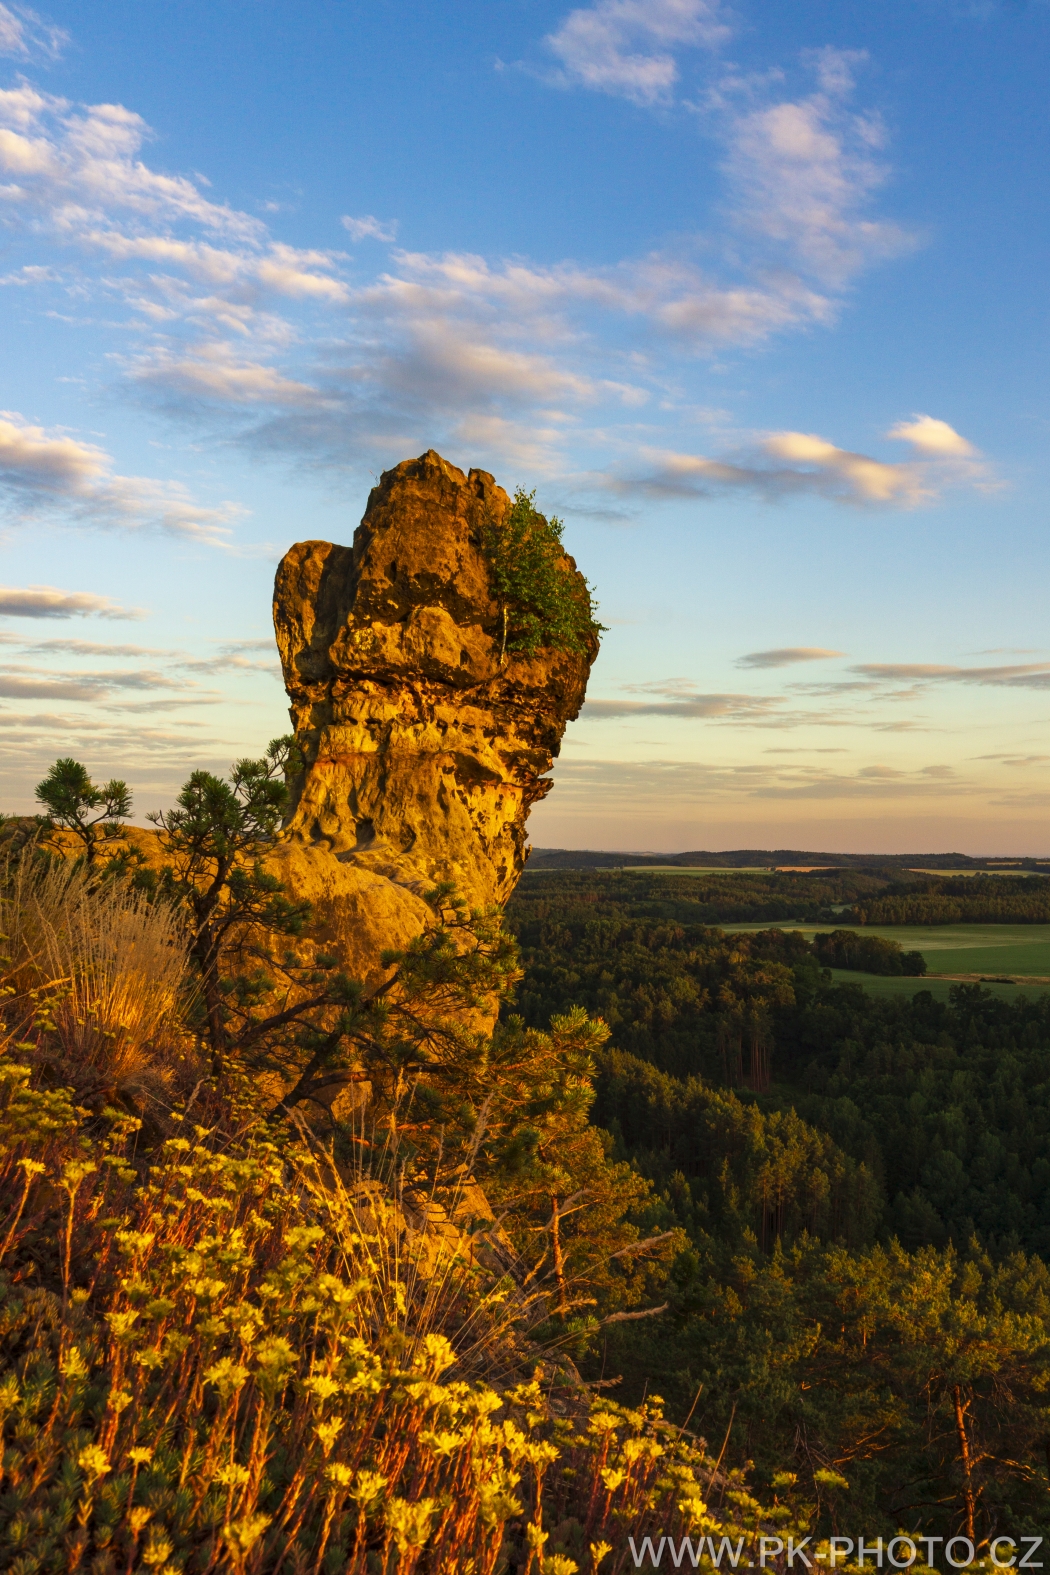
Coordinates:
column 867, row 954
column 541, row 599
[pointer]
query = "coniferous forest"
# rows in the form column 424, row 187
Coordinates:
column 307, row 1272
column 863, row 1184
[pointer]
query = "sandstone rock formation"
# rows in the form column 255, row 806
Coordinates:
column 422, row 753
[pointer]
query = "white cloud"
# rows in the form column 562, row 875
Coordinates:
column 659, row 784
column 844, row 473
column 44, row 601
column 507, row 356
column 91, row 648
column 688, row 707
column 1031, row 675
column 803, row 172
column 785, row 656
column 35, row 683
column 215, row 372
column 34, row 462
column 368, row 227
column 41, row 470
column 626, row 47
column 783, row 464
column 78, row 173
column 24, row 34
column 932, row 437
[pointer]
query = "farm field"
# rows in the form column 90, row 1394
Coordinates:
column 882, row 987
column 694, row 869
column 1015, row 949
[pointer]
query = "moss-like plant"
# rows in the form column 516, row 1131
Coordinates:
column 541, row 601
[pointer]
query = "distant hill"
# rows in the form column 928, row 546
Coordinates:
column 775, row 858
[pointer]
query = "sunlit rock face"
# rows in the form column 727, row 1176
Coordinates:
column 422, row 755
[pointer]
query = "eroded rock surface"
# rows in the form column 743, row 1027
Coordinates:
column 423, row 755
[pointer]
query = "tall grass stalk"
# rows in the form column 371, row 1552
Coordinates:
column 111, row 967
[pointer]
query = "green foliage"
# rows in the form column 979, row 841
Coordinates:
column 239, row 1345
column 214, row 842
column 976, row 899
column 950, row 1103
column 668, row 991
column 226, row 1357
column 571, row 1207
column 820, row 1355
column 861, row 1270
column 73, row 802
column 542, row 601
column 866, row 954
column 717, row 898
column 734, row 1169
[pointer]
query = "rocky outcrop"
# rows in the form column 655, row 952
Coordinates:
column 423, row 755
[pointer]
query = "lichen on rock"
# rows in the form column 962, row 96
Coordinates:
column 422, row 754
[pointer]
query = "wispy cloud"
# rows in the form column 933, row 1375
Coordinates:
column 515, row 361
column 686, row 708
column 803, row 172
column 787, row 464
column 627, row 47
column 508, row 356
column 786, row 655
column 35, row 683
column 45, row 601
column 369, row 228
column 41, row 470
column 1031, row 675
column 25, row 35
column 87, row 648
column 659, row 784
column 77, row 171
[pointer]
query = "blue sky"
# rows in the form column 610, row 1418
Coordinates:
column 755, row 297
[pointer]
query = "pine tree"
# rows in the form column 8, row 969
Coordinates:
column 73, row 802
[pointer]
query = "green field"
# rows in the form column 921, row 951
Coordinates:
column 1011, row 949
column 875, row 984
column 692, row 869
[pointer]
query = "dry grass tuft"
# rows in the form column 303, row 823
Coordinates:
column 107, row 967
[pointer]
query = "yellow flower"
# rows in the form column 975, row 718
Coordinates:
column 322, row 1386
column 120, row 1322
column 157, row 1548
column 244, row 1534
column 227, row 1376
column 328, row 1432
column 232, row 1476
column 72, row 1364
column 367, row 1488
column 94, row 1462
column 410, row 1523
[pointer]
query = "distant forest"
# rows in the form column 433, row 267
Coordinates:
column 832, row 896
column 856, row 1175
